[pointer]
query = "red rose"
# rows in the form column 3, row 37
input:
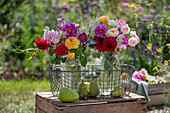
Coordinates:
column 61, row 50
column 109, row 44
column 99, row 43
column 42, row 44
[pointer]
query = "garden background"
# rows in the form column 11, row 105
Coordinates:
column 23, row 21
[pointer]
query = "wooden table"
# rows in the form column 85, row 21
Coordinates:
column 46, row 103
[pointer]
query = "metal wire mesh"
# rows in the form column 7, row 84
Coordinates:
column 106, row 80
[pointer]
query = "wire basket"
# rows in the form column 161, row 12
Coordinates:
column 106, row 80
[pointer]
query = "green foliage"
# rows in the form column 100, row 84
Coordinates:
column 19, row 95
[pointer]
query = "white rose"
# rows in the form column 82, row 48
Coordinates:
column 112, row 32
column 113, row 23
column 125, row 29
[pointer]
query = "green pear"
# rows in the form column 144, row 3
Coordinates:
column 117, row 92
column 82, row 90
column 93, row 89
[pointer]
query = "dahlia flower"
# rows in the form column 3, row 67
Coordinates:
column 61, row 50
column 101, row 30
column 104, row 20
column 109, row 44
column 83, row 38
column 71, row 29
column 72, row 43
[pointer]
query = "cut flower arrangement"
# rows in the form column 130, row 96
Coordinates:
column 69, row 42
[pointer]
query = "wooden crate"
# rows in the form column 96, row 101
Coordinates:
column 46, row 103
column 156, row 93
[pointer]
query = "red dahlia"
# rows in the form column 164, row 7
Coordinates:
column 99, row 41
column 42, row 44
column 109, row 44
column 61, row 50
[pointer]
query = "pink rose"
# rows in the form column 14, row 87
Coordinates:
column 133, row 41
column 133, row 34
column 125, row 29
column 122, row 22
column 52, row 36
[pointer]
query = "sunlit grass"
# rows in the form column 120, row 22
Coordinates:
column 19, row 95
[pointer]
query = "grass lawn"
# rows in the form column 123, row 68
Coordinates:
column 18, row 96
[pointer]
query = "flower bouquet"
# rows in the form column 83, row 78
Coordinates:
column 69, row 44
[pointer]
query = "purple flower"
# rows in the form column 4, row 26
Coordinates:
column 61, row 15
column 139, row 77
column 54, row 6
column 71, row 29
column 125, row 4
column 46, row 18
column 165, row 7
column 78, row 21
column 83, row 37
column 100, row 30
column 152, row 10
column 61, row 21
column 149, row 16
column 77, row 6
column 158, row 16
column 66, row 8
column 168, row 6
column 93, row 3
column 140, row 30
column 154, row 4
column 163, row 31
column 85, row 11
column 85, row 16
column 159, row 31
column 125, row 40
column 141, row 8
column 144, row 20
column 155, row 30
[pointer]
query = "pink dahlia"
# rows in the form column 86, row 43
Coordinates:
column 83, row 38
column 100, row 30
column 71, row 29
column 109, row 44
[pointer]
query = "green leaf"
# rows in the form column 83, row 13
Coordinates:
column 83, row 60
column 90, row 42
column 98, row 55
column 64, row 59
column 29, row 58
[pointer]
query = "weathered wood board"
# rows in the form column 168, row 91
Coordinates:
column 156, row 93
column 46, row 103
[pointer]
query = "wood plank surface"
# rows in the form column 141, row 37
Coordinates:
column 158, row 99
column 154, row 88
column 46, row 103
column 128, row 107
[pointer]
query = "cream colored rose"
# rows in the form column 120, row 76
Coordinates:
column 112, row 32
column 125, row 29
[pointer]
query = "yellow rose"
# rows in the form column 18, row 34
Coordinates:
column 71, row 55
column 72, row 43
